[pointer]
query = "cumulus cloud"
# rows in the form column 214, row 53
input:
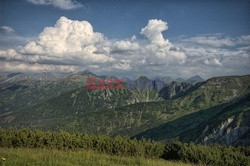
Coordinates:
column 72, row 45
column 219, row 58
column 62, row 4
column 160, row 47
column 125, row 47
column 7, row 29
column 68, row 40
column 72, row 42
column 153, row 31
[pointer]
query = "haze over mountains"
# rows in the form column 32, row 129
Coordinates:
column 212, row 111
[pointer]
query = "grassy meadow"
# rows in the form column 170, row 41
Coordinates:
column 46, row 157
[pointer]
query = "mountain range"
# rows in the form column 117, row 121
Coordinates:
column 55, row 76
column 202, row 111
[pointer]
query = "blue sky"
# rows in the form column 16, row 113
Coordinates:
column 189, row 25
column 121, row 19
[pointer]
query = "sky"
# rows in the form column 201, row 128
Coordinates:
column 126, row 37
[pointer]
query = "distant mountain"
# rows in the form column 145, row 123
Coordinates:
column 174, row 89
column 105, row 77
column 166, row 79
column 180, row 80
column 14, row 77
column 44, row 76
column 195, row 79
column 2, row 77
column 21, row 90
column 143, row 79
column 79, row 77
column 26, row 93
column 48, row 76
column 141, row 112
column 87, row 73
column 144, row 82
column 211, row 111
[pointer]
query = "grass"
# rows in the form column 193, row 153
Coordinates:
column 34, row 157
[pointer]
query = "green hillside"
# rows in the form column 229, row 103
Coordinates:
column 133, row 112
column 225, row 124
column 26, row 93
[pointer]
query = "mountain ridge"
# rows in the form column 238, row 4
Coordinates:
column 117, row 112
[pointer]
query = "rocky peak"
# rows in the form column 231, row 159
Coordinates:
column 173, row 89
column 195, row 79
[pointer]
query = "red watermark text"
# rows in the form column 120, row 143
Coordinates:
column 110, row 83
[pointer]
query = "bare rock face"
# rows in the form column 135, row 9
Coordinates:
column 174, row 89
column 226, row 134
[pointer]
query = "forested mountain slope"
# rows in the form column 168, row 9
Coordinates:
column 141, row 112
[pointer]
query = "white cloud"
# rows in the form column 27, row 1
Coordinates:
column 68, row 39
column 23, row 67
column 125, row 46
column 212, row 62
column 213, row 41
column 7, row 29
column 72, row 45
column 159, row 47
column 218, row 58
column 153, row 31
column 123, row 65
column 62, row 4
column 245, row 40
column 75, row 42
